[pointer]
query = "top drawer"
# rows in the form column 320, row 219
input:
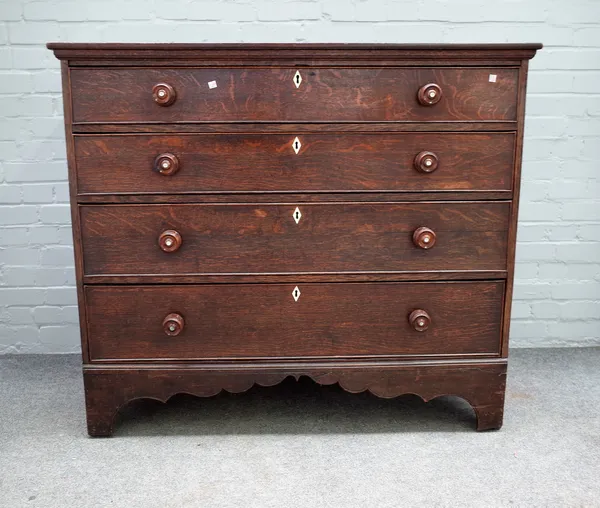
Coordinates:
column 391, row 94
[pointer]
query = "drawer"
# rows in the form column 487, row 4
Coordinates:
column 275, row 95
column 293, row 238
column 268, row 321
column 342, row 162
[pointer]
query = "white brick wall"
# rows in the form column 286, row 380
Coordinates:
column 557, row 294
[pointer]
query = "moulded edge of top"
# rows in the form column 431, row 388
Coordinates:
column 294, row 52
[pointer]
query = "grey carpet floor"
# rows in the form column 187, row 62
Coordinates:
column 300, row 445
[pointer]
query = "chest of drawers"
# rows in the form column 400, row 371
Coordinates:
column 245, row 213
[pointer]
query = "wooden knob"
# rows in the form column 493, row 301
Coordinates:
column 166, row 164
column 426, row 162
column 424, row 237
column 430, row 94
column 419, row 320
column 169, row 240
column 164, row 94
column 173, row 324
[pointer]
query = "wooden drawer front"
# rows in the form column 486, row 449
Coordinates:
column 265, row 238
column 270, row 94
column 268, row 162
column 264, row 320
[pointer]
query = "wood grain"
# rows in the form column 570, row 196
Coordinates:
column 481, row 383
column 245, row 238
column 264, row 320
column 347, row 94
column 266, row 162
column 218, row 313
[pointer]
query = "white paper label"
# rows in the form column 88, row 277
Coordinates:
column 492, row 78
column 212, row 84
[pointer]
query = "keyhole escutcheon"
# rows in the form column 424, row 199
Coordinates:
column 297, row 215
column 297, row 79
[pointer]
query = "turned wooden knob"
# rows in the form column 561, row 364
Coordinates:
column 419, row 320
column 173, row 324
column 426, row 162
column 430, row 94
column 164, row 94
column 169, row 240
column 166, row 164
column 424, row 237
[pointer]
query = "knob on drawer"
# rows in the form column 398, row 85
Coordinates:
column 426, row 162
column 424, row 237
column 173, row 324
column 164, row 94
column 169, row 240
column 166, row 164
column 430, row 94
column 419, row 319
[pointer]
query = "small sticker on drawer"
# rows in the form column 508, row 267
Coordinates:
column 493, row 78
column 212, row 84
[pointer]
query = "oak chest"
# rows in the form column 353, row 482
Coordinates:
column 245, row 213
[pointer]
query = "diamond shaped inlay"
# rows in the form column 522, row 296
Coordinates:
column 297, row 215
column 296, row 145
column 296, row 293
column 297, row 79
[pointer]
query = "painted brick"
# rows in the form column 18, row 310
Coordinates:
column 538, row 211
column 582, row 211
column 55, row 315
column 5, row 59
column 38, row 193
column 584, row 272
column 61, row 296
column 12, row 215
column 15, row 82
column 10, row 11
column 30, row 58
column 20, row 256
column 589, row 232
column 521, row 310
column 43, row 235
column 552, row 271
column 18, row 276
column 537, row 251
column 576, row 291
column 21, row 296
column 61, row 192
column 55, row 214
column 57, row 256
column 59, row 336
column 526, row 270
column 18, row 316
column 582, row 329
column 46, row 81
column 288, row 11
column 14, row 236
column 535, row 328
column 33, row 33
column 533, row 291
column 3, row 34
column 46, row 171
column 65, row 235
column 10, row 194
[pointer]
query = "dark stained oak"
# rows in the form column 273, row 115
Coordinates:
column 263, row 94
column 228, row 321
column 211, row 256
column 481, row 383
column 265, row 238
column 267, row 162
